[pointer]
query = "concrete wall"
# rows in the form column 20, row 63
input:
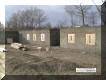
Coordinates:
column 23, row 37
column 80, row 38
column 14, row 35
column 4, row 35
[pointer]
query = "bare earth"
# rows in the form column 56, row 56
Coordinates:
column 2, row 63
column 57, row 61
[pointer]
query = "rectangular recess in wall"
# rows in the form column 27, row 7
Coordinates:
column 34, row 37
column 42, row 37
column 90, row 39
column 71, row 38
column 28, row 36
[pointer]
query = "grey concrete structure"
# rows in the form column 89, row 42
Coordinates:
column 83, row 38
column 8, row 37
column 11, row 36
column 23, row 37
column 80, row 38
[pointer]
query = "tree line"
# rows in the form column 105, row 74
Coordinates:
column 1, row 26
column 36, row 18
column 29, row 18
column 85, row 13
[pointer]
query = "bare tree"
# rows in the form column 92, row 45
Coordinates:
column 41, row 17
column 29, row 18
column 13, row 22
column 62, row 23
column 93, row 18
column 98, row 7
column 47, row 25
column 82, row 11
column 70, row 10
column 1, row 26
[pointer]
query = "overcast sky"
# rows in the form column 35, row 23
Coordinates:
column 55, row 14
column 3, row 3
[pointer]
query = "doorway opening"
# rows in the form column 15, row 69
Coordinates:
column 55, row 37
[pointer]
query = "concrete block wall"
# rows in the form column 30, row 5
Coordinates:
column 38, row 32
column 80, row 38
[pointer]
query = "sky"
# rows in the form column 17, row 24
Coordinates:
column 56, row 10
column 54, row 13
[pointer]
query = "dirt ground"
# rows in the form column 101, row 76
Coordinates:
column 56, row 61
column 2, row 63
